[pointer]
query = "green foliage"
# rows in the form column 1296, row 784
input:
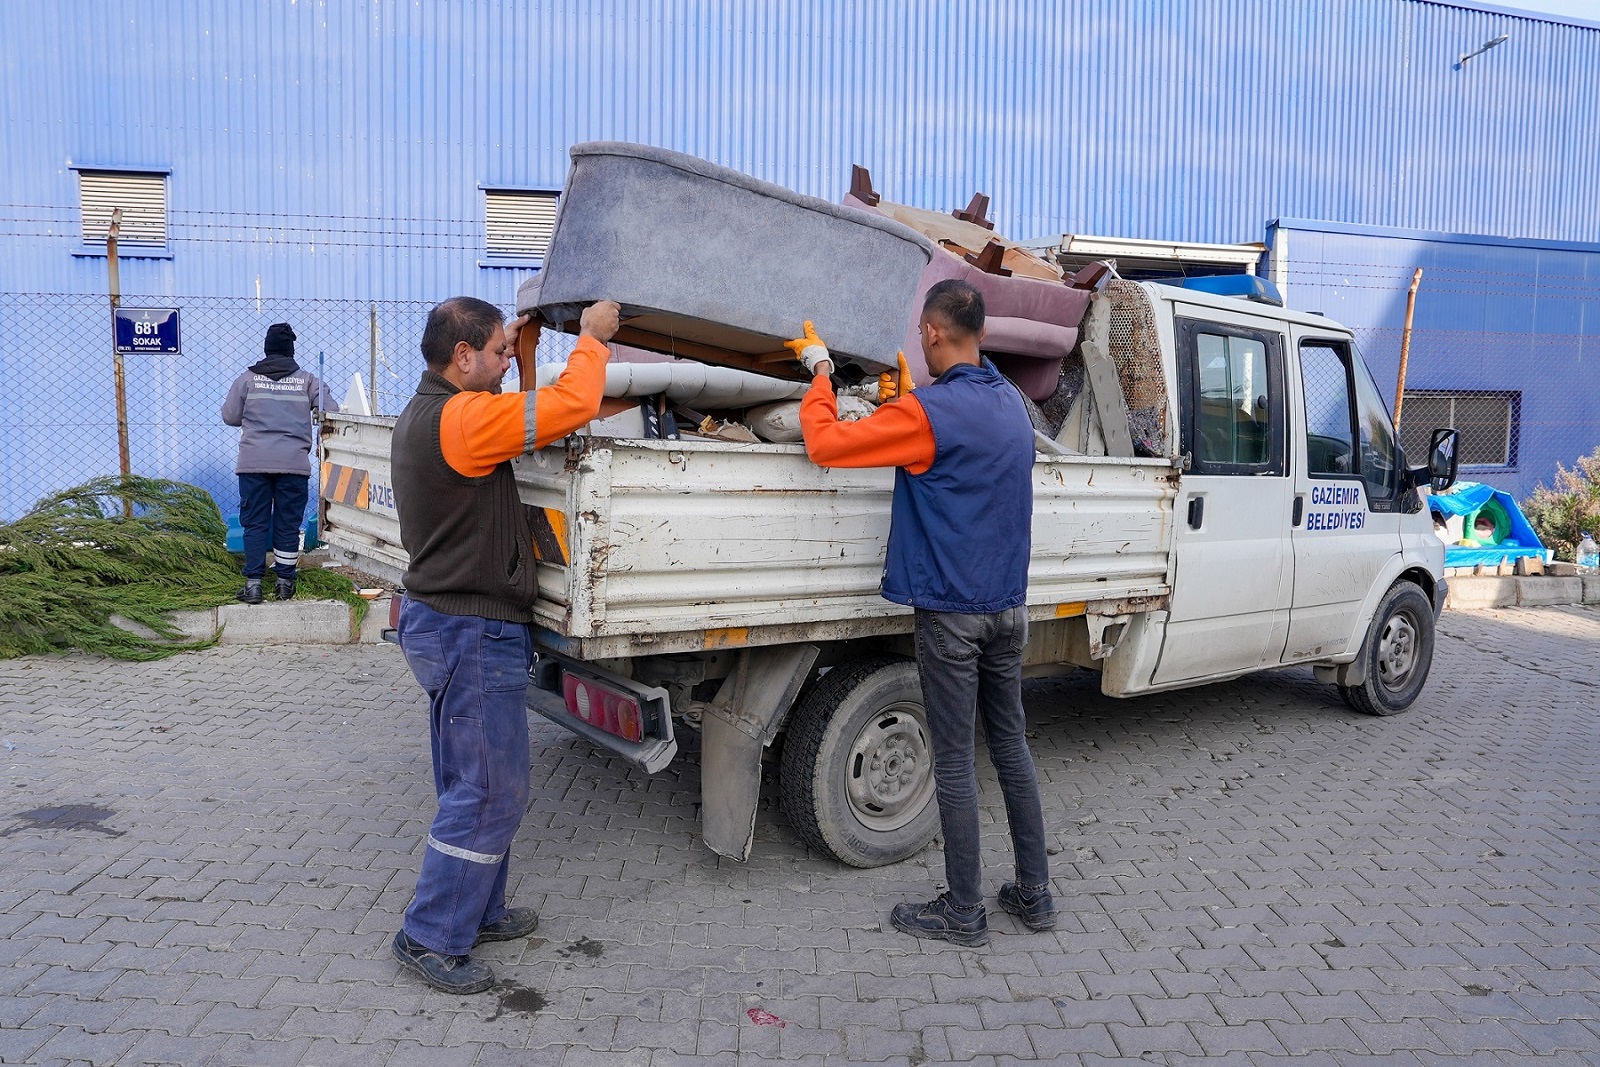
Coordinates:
column 1561, row 515
column 75, row 560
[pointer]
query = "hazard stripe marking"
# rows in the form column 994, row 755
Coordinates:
column 346, row 485
column 549, row 527
column 729, row 637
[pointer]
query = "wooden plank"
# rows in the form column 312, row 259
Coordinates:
column 767, row 363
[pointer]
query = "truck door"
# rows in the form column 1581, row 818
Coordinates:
column 1232, row 581
column 1346, row 512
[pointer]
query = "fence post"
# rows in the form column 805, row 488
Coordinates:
column 372, row 357
column 1405, row 349
column 115, row 282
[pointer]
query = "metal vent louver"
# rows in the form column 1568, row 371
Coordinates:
column 142, row 198
column 518, row 223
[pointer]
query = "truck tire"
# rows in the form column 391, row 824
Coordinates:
column 1398, row 652
column 857, row 773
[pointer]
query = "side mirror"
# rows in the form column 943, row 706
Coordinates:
column 1440, row 473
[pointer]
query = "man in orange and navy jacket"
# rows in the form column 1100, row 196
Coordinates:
column 959, row 541
column 464, row 624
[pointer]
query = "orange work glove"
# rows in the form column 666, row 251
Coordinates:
column 891, row 386
column 810, row 350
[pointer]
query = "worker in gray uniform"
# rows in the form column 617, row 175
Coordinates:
column 272, row 402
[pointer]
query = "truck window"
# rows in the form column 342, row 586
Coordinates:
column 1233, row 407
column 1348, row 430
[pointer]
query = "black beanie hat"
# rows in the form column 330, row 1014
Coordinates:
column 280, row 340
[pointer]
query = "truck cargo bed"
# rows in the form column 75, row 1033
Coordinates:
column 677, row 546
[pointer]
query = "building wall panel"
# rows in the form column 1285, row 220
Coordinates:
column 336, row 150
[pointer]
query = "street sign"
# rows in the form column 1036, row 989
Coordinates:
column 147, row 330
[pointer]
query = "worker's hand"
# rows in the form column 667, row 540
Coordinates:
column 514, row 330
column 891, row 386
column 600, row 320
column 811, row 352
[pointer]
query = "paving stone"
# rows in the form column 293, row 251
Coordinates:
column 19, row 1043
column 1248, row 874
column 75, row 1043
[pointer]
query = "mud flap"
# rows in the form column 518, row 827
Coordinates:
column 741, row 723
column 1346, row 674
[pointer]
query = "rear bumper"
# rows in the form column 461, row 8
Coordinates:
column 651, row 754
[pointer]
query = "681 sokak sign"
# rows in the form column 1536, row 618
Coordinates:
column 147, row 330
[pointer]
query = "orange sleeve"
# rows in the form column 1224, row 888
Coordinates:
column 898, row 434
column 480, row 431
column 573, row 399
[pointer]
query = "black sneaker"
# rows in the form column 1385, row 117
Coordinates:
column 942, row 920
column 251, row 593
column 1034, row 907
column 517, row 922
column 285, row 588
column 447, row 974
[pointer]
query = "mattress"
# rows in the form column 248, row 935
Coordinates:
column 1033, row 316
column 715, row 265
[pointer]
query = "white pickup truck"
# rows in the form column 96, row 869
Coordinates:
column 732, row 588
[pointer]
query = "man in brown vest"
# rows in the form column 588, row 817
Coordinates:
column 469, row 599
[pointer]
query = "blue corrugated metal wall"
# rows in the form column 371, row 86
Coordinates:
column 336, row 149
column 1492, row 315
column 324, row 149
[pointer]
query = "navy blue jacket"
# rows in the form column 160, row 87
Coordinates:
column 961, row 532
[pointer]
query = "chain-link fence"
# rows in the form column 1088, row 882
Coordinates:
column 58, row 411
column 1521, row 400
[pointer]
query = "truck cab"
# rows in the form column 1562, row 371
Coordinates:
column 1296, row 515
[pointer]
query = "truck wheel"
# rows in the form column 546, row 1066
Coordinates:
column 1398, row 651
column 857, row 774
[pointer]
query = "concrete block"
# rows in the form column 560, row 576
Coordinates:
column 1591, row 588
column 1533, row 592
column 1476, row 594
column 376, row 622
column 194, row 625
column 310, row 622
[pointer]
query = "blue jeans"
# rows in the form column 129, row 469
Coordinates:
column 971, row 665
column 271, row 508
column 475, row 672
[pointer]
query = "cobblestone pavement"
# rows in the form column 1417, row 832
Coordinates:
column 202, row 861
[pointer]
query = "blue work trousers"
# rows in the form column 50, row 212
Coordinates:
column 271, row 509
column 475, row 672
column 971, row 665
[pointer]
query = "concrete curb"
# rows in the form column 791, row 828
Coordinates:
column 1482, row 593
column 296, row 622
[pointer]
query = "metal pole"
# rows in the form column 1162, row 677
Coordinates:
column 372, row 363
column 1405, row 349
column 322, row 426
column 116, row 356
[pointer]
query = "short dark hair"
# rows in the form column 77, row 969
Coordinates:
column 461, row 318
column 958, row 304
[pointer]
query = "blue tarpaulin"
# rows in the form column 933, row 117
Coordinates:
column 1513, row 537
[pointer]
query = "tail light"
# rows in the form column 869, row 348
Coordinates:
column 600, row 706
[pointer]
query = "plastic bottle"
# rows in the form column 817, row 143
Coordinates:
column 1588, row 555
